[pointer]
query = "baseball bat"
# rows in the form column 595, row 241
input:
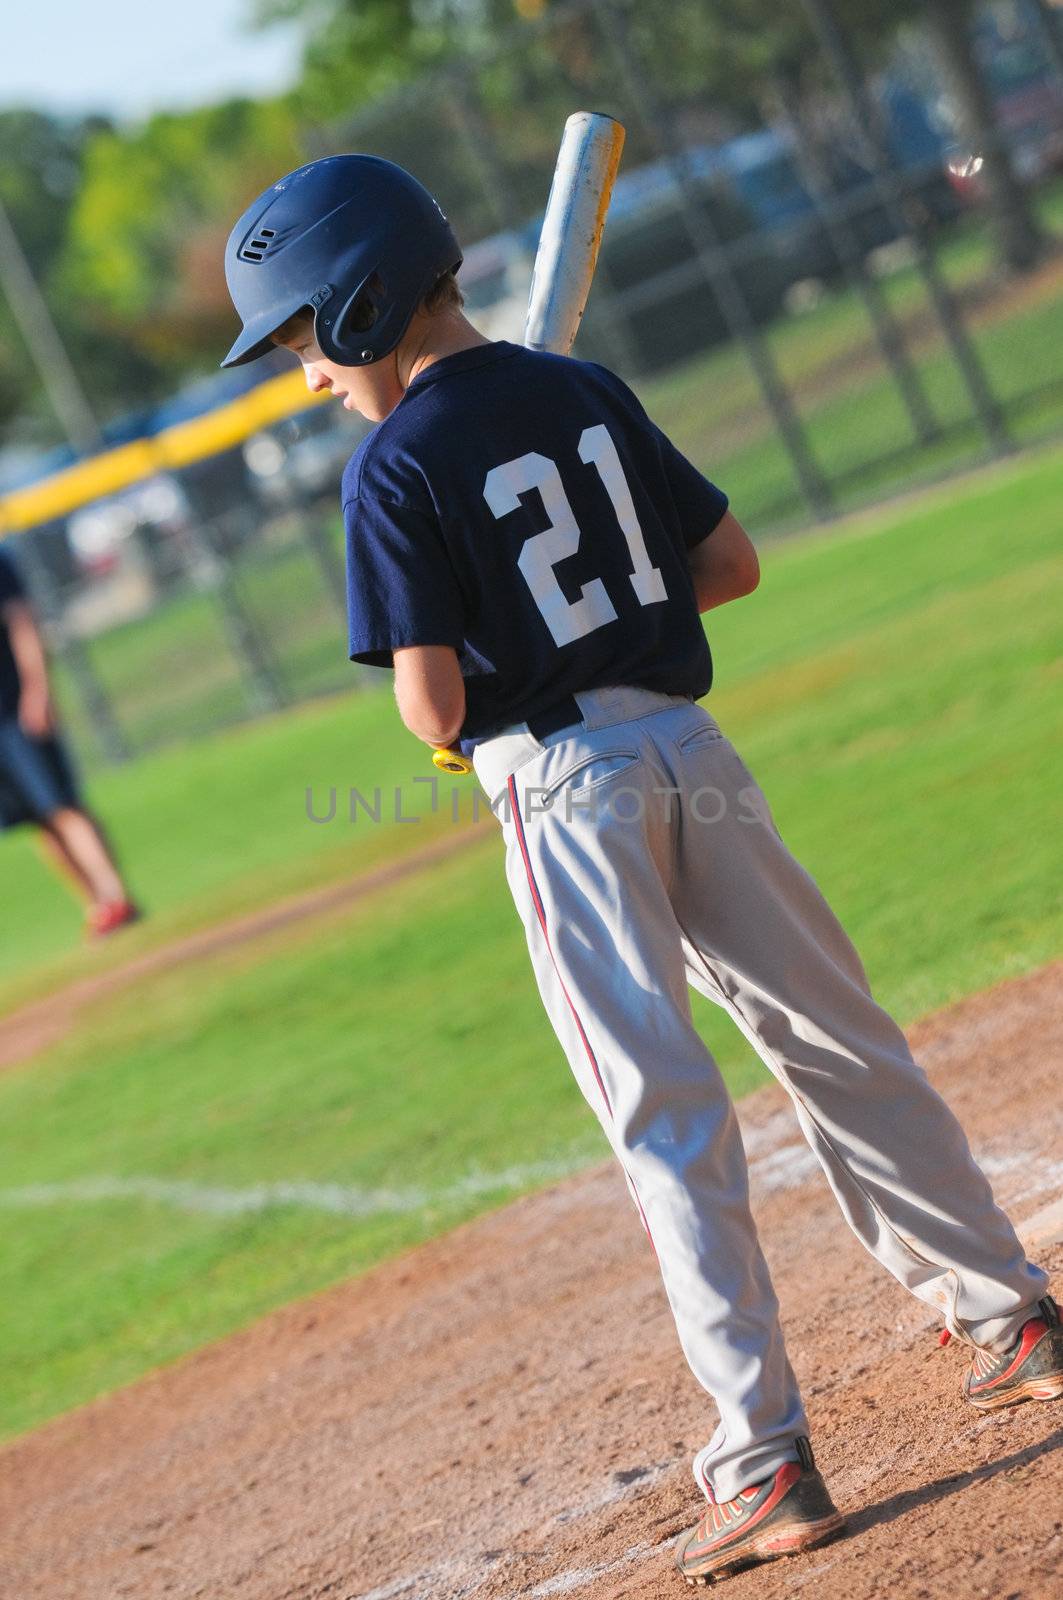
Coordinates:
column 572, row 230
column 567, row 255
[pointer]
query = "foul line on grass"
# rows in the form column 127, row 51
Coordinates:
column 337, row 1199
column 785, row 1168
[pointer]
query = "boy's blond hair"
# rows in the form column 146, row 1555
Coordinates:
column 443, row 294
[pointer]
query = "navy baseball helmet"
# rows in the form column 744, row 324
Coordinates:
column 354, row 238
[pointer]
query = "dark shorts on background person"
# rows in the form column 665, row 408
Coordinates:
column 36, row 776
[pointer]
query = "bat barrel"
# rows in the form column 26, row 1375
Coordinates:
column 572, row 229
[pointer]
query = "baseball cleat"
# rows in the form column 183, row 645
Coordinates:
column 787, row 1513
column 1031, row 1370
column 108, row 918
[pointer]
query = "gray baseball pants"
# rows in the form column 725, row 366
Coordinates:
column 642, row 857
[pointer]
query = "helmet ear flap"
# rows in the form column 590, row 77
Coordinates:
column 352, row 323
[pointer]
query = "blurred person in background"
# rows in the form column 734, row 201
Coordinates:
column 37, row 782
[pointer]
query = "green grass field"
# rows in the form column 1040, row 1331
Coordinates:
column 894, row 685
column 219, row 825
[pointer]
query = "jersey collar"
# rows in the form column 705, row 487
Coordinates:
column 478, row 355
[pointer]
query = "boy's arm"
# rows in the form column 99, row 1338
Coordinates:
column 402, row 591
column 430, row 691
column 724, row 564
column 35, row 712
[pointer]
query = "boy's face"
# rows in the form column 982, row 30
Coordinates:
column 374, row 390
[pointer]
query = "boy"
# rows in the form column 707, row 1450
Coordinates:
column 36, row 781
column 531, row 555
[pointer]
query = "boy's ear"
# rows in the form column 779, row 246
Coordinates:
column 363, row 314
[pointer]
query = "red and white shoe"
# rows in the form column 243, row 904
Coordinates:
column 1032, row 1369
column 789, row 1512
column 109, row 918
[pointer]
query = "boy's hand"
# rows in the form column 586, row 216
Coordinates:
column 36, row 714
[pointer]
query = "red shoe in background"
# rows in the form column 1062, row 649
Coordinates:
column 109, row 918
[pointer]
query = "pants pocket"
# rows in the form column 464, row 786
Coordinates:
column 590, row 773
column 705, row 732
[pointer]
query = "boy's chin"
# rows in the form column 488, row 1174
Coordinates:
column 349, row 404
column 371, row 414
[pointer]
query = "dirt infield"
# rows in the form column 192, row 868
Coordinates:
column 505, row 1412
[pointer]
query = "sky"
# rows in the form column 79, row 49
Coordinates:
column 129, row 59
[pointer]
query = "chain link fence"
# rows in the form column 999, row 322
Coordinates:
column 841, row 278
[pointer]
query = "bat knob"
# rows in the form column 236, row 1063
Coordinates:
column 451, row 761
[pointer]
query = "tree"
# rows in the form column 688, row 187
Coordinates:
column 144, row 255
column 358, row 50
column 40, row 170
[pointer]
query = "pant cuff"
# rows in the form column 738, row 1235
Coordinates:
column 998, row 1334
column 729, row 1478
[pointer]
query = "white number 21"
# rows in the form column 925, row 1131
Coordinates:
column 571, row 619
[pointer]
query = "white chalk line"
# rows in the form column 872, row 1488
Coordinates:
column 783, row 1168
column 1025, row 1176
column 617, row 1490
column 568, row 1582
column 467, row 1580
column 1045, row 1227
column 334, row 1198
column 787, row 1168
column 775, row 1130
column 561, row 1583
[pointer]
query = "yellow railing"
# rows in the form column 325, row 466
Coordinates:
column 104, row 474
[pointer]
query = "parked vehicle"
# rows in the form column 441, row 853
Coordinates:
column 1026, row 92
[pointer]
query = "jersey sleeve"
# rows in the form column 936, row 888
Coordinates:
column 699, row 504
column 11, row 584
column 401, row 587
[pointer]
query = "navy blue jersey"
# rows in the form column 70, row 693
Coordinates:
column 11, row 588
column 523, row 509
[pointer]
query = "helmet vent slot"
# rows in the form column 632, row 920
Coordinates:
column 258, row 244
